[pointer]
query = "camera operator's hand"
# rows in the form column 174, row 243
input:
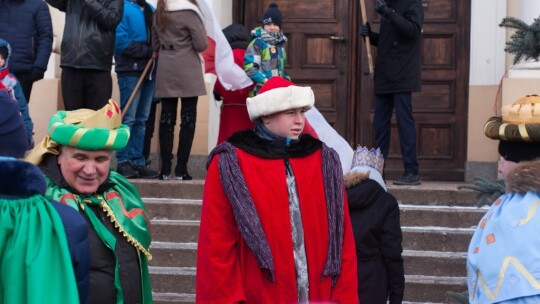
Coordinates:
column 382, row 8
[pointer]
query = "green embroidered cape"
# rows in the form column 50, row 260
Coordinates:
column 123, row 205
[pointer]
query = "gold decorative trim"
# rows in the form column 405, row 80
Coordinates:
column 130, row 239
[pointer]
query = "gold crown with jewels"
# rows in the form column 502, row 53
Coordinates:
column 368, row 157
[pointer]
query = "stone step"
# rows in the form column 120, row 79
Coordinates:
column 436, row 239
column 411, row 215
column 428, row 193
column 431, row 263
column 175, row 231
column 175, row 284
column 435, row 263
column 429, row 289
column 414, row 238
column 173, row 209
column 440, row 216
column 166, row 254
column 173, row 298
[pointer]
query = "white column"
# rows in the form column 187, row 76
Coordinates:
column 530, row 9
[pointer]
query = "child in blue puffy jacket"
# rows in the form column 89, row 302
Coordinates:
column 12, row 85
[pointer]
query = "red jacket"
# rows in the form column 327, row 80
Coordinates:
column 227, row 270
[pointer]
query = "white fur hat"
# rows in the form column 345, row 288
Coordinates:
column 277, row 95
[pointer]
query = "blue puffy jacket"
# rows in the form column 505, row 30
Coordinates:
column 27, row 26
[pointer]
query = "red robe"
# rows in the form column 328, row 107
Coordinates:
column 234, row 115
column 227, row 270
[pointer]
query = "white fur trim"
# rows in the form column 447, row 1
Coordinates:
column 373, row 174
column 182, row 5
column 280, row 99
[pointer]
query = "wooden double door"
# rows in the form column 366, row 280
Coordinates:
column 325, row 52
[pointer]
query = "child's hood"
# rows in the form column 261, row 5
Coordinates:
column 5, row 44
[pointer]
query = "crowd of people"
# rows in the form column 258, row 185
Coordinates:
column 307, row 230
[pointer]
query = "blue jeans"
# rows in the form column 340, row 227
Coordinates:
column 135, row 117
column 384, row 106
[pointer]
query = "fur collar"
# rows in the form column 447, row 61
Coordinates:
column 20, row 179
column 354, row 178
column 182, row 5
column 250, row 142
column 524, row 177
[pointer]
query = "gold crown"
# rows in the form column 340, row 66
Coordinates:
column 371, row 158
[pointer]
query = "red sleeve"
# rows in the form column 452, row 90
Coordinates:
column 218, row 278
column 346, row 288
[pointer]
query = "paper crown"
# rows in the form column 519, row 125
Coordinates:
column 371, row 158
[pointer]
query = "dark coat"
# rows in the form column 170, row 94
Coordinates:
column 88, row 40
column 377, row 233
column 26, row 25
column 19, row 179
column 397, row 67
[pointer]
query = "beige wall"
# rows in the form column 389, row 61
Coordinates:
column 481, row 108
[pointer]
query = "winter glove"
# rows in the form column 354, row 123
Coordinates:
column 382, row 8
column 365, row 30
column 36, row 74
column 217, row 97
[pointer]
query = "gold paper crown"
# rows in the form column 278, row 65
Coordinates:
column 371, row 158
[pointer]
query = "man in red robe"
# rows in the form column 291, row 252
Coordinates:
column 275, row 226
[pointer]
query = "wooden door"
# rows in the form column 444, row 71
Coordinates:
column 337, row 70
column 440, row 110
column 319, row 51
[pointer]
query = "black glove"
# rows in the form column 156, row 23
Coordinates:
column 217, row 97
column 141, row 3
column 37, row 74
column 382, row 8
column 365, row 30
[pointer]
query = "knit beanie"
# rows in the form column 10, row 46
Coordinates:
column 272, row 14
column 279, row 94
column 518, row 151
column 13, row 137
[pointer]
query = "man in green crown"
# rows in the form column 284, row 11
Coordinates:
column 75, row 158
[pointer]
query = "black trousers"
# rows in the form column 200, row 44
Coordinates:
column 85, row 88
column 188, row 119
column 26, row 84
column 149, row 133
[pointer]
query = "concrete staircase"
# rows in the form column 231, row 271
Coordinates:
column 437, row 222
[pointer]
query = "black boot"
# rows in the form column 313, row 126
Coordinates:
column 188, row 120
column 166, row 136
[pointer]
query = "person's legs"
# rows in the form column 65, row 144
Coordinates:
column 126, row 86
column 407, row 131
column 146, row 96
column 98, row 88
column 167, row 123
column 73, row 88
column 188, row 119
column 384, row 106
column 26, row 84
column 149, row 132
column 407, row 139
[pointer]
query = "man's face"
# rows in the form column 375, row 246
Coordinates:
column 84, row 170
column 505, row 166
column 2, row 61
column 289, row 123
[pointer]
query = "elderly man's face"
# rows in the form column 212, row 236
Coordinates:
column 84, row 170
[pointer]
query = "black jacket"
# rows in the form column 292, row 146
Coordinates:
column 88, row 40
column 377, row 233
column 26, row 25
column 397, row 67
